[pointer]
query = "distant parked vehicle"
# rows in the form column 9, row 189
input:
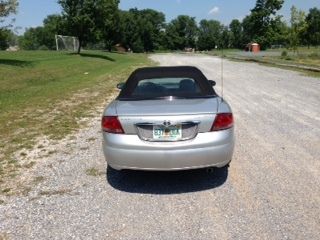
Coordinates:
column 167, row 118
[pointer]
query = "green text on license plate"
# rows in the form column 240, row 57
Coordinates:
column 172, row 133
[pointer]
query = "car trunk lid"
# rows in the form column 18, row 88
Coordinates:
column 167, row 107
column 192, row 115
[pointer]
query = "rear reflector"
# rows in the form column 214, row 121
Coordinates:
column 223, row 121
column 111, row 124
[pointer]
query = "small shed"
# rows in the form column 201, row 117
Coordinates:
column 119, row 48
column 253, row 47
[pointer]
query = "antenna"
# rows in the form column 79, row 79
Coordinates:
column 222, row 79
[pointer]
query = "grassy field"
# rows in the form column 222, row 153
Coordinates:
column 44, row 93
column 300, row 60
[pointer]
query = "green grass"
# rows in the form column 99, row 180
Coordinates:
column 46, row 93
column 303, row 57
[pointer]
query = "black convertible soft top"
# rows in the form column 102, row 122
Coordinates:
column 167, row 72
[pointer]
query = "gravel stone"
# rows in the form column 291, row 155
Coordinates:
column 270, row 191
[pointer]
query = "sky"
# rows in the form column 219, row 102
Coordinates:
column 32, row 12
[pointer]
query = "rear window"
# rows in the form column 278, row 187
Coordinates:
column 166, row 82
column 163, row 87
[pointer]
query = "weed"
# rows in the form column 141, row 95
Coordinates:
column 30, row 164
column 93, row 172
column 91, row 139
column 23, row 154
column 6, row 190
column 38, row 179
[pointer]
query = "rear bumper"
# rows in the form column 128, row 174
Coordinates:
column 213, row 149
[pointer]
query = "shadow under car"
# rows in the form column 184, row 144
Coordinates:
column 155, row 182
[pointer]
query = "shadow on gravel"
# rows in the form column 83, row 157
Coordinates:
column 166, row 182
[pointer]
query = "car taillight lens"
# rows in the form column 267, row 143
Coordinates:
column 223, row 121
column 111, row 124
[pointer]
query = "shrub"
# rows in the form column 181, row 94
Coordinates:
column 314, row 55
column 43, row 48
column 284, row 54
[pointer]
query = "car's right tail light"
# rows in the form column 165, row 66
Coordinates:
column 111, row 124
column 223, row 121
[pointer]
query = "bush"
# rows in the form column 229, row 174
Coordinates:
column 314, row 55
column 4, row 39
column 284, row 54
column 43, row 48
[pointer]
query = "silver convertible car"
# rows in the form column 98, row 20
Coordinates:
column 167, row 118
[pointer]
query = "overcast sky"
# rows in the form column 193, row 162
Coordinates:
column 32, row 12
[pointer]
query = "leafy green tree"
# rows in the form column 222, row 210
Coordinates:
column 225, row 38
column 4, row 38
column 89, row 19
column 298, row 27
column 32, row 38
column 107, row 23
column 257, row 25
column 278, row 32
column 313, row 27
column 236, row 39
column 53, row 25
column 210, row 34
column 44, row 37
column 7, row 7
column 153, row 23
column 130, row 30
column 181, row 33
column 142, row 30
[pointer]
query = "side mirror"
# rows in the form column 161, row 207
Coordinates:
column 212, row 83
column 120, row 86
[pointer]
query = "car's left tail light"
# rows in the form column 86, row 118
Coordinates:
column 111, row 124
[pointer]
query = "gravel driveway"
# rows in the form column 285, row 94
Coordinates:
column 271, row 190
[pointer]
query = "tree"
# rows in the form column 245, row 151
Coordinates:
column 225, row 38
column 130, row 30
column 181, row 33
column 7, row 7
column 32, row 38
column 4, row 38
column 107, row 23
column 278, row 32
column 89, row 19
column 313, row 27
column 259, row 22
column 298, row 27
column 53, row 25
column 236, row 40
column 141, row 30
column 210, row 34
column 153, row 23
column 44, row 37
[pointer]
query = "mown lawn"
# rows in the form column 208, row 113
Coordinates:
column 304, row 57
column 45, row 93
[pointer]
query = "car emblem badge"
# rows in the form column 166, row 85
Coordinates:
column 166, row 123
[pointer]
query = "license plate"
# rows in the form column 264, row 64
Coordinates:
column 171, row 133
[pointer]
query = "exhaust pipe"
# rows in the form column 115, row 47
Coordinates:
column 210, row 170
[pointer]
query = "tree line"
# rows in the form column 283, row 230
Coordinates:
column 101, row 24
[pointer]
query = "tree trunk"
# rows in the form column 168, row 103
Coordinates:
column 80, row 45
